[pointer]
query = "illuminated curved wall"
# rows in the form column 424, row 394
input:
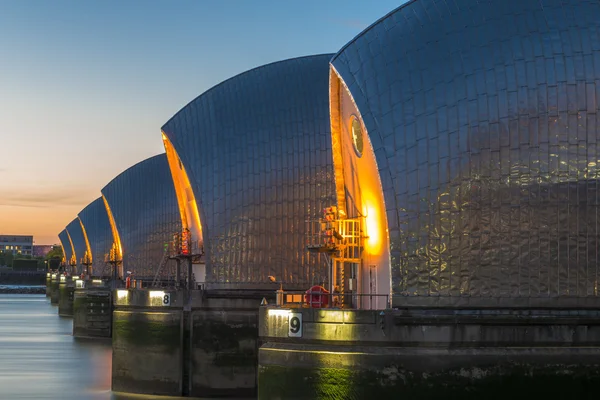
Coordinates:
column 97, row 227
column 257, row 152
column 63, row 236
column 483, row 121
column 144, row 207
column 78, row 240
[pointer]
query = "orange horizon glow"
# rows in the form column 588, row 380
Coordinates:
column 43, row 223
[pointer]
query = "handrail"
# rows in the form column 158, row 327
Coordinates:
column 336, row 300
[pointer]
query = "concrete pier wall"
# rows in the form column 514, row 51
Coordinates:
column 92, row 312
column 54, row 293
column 48, row 282
column 427, row 353
column 147, row 342
column 65, row 297
column 200, row 344
column 224, row 344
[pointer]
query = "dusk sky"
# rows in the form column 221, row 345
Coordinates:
column 87, row 85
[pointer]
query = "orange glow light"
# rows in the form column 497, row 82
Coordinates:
column 188, row 208
column 113, row 227
column 87, row 241
column 73, row 255
column 373, row 243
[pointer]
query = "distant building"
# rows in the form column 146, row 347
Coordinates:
column 42, row 249
column 17, row 244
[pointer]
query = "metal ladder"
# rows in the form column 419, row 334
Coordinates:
column 162, row 264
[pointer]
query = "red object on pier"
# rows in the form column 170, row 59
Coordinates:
column 317, row 297
column 128, row 282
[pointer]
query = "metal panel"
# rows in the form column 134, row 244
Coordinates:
column 76, row 233
column 143, row 203
column 257, row 150
column 95, row 221
column 483, row 119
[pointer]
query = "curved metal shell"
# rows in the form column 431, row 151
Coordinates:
column 97, row 227
column 257, row 151
column 483, row 117
column 78, row 239
column 65, row 243
column 144, row 208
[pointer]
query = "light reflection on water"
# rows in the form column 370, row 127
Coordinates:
column 40, row 359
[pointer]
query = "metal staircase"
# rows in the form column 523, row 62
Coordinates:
column 163, row 263
column 341, row 241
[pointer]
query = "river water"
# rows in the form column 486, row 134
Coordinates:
column 40, row 359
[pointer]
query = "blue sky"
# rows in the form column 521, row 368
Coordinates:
column 86, row 85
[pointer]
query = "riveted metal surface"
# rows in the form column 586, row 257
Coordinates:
column 257, row 150
column 143, row 203
column 66, row 244
column 79, row 247
column 483, row 118
column 95, row 220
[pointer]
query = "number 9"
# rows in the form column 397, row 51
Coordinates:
column 295, row 325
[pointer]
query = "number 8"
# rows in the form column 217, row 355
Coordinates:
column 166, row 299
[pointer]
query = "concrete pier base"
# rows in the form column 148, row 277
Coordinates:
column 65, row 297
column 224, row 344
column 420, row 353
column 48, row 283
column 186, row 343
column 147, row 355
column 54, row 293
column 92, row 311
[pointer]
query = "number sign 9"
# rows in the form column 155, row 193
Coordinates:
column 295, row 325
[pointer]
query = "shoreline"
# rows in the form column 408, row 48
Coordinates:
column 22, row 289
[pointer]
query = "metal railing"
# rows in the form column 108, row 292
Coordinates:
column 319, row 299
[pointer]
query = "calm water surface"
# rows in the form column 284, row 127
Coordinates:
column 40, row 359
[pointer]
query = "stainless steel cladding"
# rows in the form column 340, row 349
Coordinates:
column 63, row 236
column 97, row 227
column 144, row 208
column 257, row 151
column 483, row 117
column 78, row 240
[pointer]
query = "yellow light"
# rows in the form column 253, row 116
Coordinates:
column 274, row 312
column 157, row 294
column 373, row 227
column 73, row 255
column 97, row 280
column 63, row 278
column 113, row 227
column 87, row 241
column 122, row 294
column 336, row 139
column 186, row 200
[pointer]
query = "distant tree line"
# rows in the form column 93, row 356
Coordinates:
column 52, row 260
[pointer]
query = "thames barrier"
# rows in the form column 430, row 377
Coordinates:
column 415, row 215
